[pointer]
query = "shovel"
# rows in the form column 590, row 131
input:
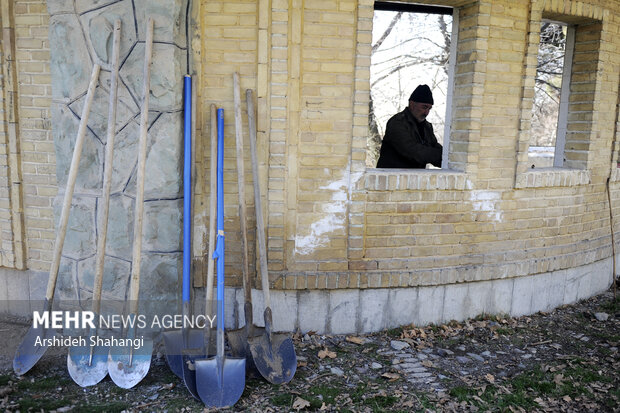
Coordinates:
column 273, row 353
column 179, row 340
column 204, row 348
column 238, row 339
column 128, row 364
column 35, row 342
column 88, row 364
column 220, row 380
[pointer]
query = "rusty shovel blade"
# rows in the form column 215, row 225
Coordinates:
column 274, row 356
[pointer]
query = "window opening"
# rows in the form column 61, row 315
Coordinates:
column 411, row 45
column 551, row 90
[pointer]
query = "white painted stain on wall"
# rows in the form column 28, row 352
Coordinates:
column 488, row 202
column 334, row 218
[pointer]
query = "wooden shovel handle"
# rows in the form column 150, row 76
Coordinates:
column 107, row 173
column 241, row 183
column 73, row 171
column 212, row 213
column 139, row 207
column 260, row 225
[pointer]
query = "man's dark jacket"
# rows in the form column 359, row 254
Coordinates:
column 403, row 147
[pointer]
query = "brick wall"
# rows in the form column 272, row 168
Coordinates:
column 333, row 223
column 228, row 45
column 37, row 148
column 33, row 181
column 11, row 213
column 495, row 220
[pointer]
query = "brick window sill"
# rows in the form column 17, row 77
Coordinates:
column 552, row 177
column 414, row 179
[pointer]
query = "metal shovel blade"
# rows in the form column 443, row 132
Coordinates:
column 239, row 346
column 238, row 339
column 33, row 346
column 88, row 365
column 128, row 365
column 173, row 340
column 189, row 369
column 220, row 380
column 190, row 356
column 275, row 358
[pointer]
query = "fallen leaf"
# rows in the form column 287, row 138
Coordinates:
column 567, row 398
column 301, row 363
column 326, row 353
column 355, row 340
column 490, row 378
column 300, row 403
column 168, row 386
column 408, row 403
column 391, row 376
column 427, row 363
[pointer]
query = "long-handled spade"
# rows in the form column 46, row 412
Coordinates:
column 273, row 353
column 129, row 364
column 204, row 349
column 88, row 364
column 220, row 380
column 238, row 339
column 35, row 342
column 177, row 341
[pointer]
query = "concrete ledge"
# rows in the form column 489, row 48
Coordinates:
column 19, row 288
column 349, row 311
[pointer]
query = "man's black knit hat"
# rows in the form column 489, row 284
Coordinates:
column 422, row 94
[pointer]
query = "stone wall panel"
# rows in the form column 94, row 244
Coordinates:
column 70, row 61
column 115, row 279
column 77, row 37
column 120, row 228
column 89, row 178
column 98, row 25
column 80, row 240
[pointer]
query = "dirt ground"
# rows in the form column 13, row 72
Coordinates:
column 564, row 361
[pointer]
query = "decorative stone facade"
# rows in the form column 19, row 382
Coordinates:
column 80, row 35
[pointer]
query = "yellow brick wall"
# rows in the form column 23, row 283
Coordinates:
column 228, row 44
column 37, row 147
column 332, row 223
column 11, row 211
column 426, row 228
column 33, row 168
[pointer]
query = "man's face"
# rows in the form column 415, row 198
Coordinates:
column 419, row 110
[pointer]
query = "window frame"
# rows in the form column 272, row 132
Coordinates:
column 442, row 10
column 560, row 136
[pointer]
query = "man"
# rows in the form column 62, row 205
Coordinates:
column 409, row 140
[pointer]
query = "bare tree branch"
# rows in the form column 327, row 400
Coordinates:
column 387, row 31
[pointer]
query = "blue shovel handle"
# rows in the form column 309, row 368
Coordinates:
column 219, row 247
column 187, row 187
